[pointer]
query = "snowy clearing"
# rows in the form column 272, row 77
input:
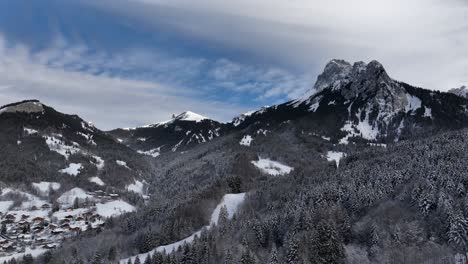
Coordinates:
column 413, row 103
column 136, row 187
column 114, row 208
column 31, row 200
column 30, row 131
column 335, row 156
column 152, row 152
column 122, row 163
column 232, row 203
column 44, row 187
column 60, row 147
column 272, row 167
column 69, row 197
column 99, row 162
column 5, row 205
column 97, row 181
column 73, row 169
column 246, row 140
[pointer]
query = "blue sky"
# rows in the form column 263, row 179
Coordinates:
column 124, row 63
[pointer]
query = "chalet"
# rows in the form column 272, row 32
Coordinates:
column 3, row 241
column 46, row 206
column 41, row 239
column 52, row 226
column 38, row 219
column 49, row 246
column 57, row 231
column 76, row 229
column 69, row 217
column 80, row 218
column 10, row 217
column 24, row 217
column 65, row 226
column 113, row 195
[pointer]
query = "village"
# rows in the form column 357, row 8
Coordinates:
column 40, row 227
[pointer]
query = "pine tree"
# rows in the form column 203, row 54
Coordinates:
column 97, row 259
column 148, row 259
column 137, row 260
column 330, row 250
column 227, row 257
column 273, row 257
column 292, row 256
column 28, row 259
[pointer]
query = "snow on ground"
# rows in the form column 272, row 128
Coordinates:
column 31, row 200
column 5, row 205
column 377, row 145
column 152, row 152
column 99, row 162
column 75, row 212
column 97, row 181
column 413, row 103
column 114, row 208
column 232, row 203
column 60, row 147
column 73, row 169
column 44, row 187
column 33, row 252
column 136, row 187
column 272, row 167
column 427, row 112
column 69, row 197
column 246, row 140
column 239, row 119
column 122, row 163
column 335, row 156
column 30, row 131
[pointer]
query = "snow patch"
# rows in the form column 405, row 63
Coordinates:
column 99, row 162
column 60, row 147
column 232, row 203
column 114, row 208
column 273, row 168
column 335, row 156
column 69, row 197
column 44, row 187
column 122, row 163
column 73, row 169
column 414, row 103
column 30, row 131
column 427, row 112
column 136, row 187
column 97, row 181
column 152, row 152
column 246, row 140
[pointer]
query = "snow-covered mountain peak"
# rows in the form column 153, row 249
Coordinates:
column 190, row 116
column 27, row 106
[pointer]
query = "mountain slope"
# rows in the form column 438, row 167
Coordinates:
column 41, row 144
column 361, row 102
column 177, row 134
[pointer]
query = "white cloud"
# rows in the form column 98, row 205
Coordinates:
column 422, row 42
column 107, row 100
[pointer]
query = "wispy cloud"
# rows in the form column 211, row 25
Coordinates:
column 419, row 41
column 105, row 98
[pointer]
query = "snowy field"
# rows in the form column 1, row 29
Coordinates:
column 271, row 167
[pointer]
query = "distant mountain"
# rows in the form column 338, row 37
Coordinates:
column 42, row 144
column 462, row 91
column 361, row 102
column 176, row 134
